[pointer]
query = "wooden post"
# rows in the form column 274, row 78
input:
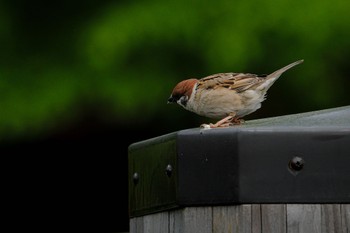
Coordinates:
column 248, row 218
column 288, row 174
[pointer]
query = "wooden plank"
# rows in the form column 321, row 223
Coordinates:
column 156, row 223
column 245, row 219
column 303, row 218
column 232, row 219
column 273, row 218
column 175, row 220
column 345, row 214
column 191, row 219
column 256, row 218
column 132, row 225
column 225, row 219
column 136, row 225
column 330, row 218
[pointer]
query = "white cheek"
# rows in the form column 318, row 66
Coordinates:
column 183, row 101
column 190, row 104
column 179, row 103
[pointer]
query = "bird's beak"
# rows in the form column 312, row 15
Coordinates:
column 171, row 100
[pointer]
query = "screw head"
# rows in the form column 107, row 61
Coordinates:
column 136, row 178
column 169, row 170
column 296, row 163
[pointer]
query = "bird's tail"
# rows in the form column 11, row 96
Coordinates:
column 278, row 73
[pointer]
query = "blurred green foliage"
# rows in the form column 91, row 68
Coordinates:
column 127, row 56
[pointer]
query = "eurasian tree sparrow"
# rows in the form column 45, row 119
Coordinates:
column 225, row 96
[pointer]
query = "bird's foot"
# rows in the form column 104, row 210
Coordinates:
column 225, row 122
column 237, row 121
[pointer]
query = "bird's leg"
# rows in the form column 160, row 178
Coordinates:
column 225, row 122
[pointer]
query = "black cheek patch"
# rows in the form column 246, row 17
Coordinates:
column 183, row 100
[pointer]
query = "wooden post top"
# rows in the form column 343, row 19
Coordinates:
column 299, row 158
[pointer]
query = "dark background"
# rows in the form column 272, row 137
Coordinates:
column 82, row 80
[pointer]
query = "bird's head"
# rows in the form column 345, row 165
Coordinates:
column 182, row 92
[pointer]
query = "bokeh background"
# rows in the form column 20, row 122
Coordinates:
column 82, row 80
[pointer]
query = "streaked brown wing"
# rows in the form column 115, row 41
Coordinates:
column 233, row 81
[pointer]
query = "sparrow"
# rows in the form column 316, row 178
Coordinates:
column 226, row 97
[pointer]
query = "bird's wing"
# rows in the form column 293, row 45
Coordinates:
column 233, row 81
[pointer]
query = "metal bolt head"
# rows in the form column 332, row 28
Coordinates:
column 168, row 170
column 136, row 178
column 296, row 163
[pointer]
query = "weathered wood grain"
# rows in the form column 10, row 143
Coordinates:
column 303, row 218
column 245, row 219
column 176, row 221
column 156, row 223
column 331, row 218
column 273, row 218
column 225, row 219
column 191, row 219
column 248, row 218
column 232, row 219
column 256, row 218
column 345, row 217
column 136, row 225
